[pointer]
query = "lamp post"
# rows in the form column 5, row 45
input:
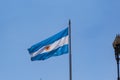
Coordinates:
column 116, row 46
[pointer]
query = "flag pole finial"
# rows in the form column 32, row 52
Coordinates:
column 69, row 22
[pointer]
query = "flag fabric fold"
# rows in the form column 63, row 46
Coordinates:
column 53, row 46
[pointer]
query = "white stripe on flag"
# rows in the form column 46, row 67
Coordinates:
column 53, row 46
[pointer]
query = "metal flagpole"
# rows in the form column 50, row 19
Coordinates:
column 70, row 55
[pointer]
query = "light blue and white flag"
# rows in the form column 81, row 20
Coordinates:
column 53, row 46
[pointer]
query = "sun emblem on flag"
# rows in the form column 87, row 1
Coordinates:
column 47, row 48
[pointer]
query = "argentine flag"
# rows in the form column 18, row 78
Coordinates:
column 53, row 46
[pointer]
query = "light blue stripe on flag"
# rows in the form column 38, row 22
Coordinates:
column 53, row 46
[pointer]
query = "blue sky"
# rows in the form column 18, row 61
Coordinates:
column 23, row 23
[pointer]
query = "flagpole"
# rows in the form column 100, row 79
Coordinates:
column 70, row 55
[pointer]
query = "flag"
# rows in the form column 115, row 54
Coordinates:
column 55, row 45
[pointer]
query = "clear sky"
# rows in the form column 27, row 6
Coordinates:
column 23, row 23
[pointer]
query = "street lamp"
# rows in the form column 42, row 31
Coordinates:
column 116, row 46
